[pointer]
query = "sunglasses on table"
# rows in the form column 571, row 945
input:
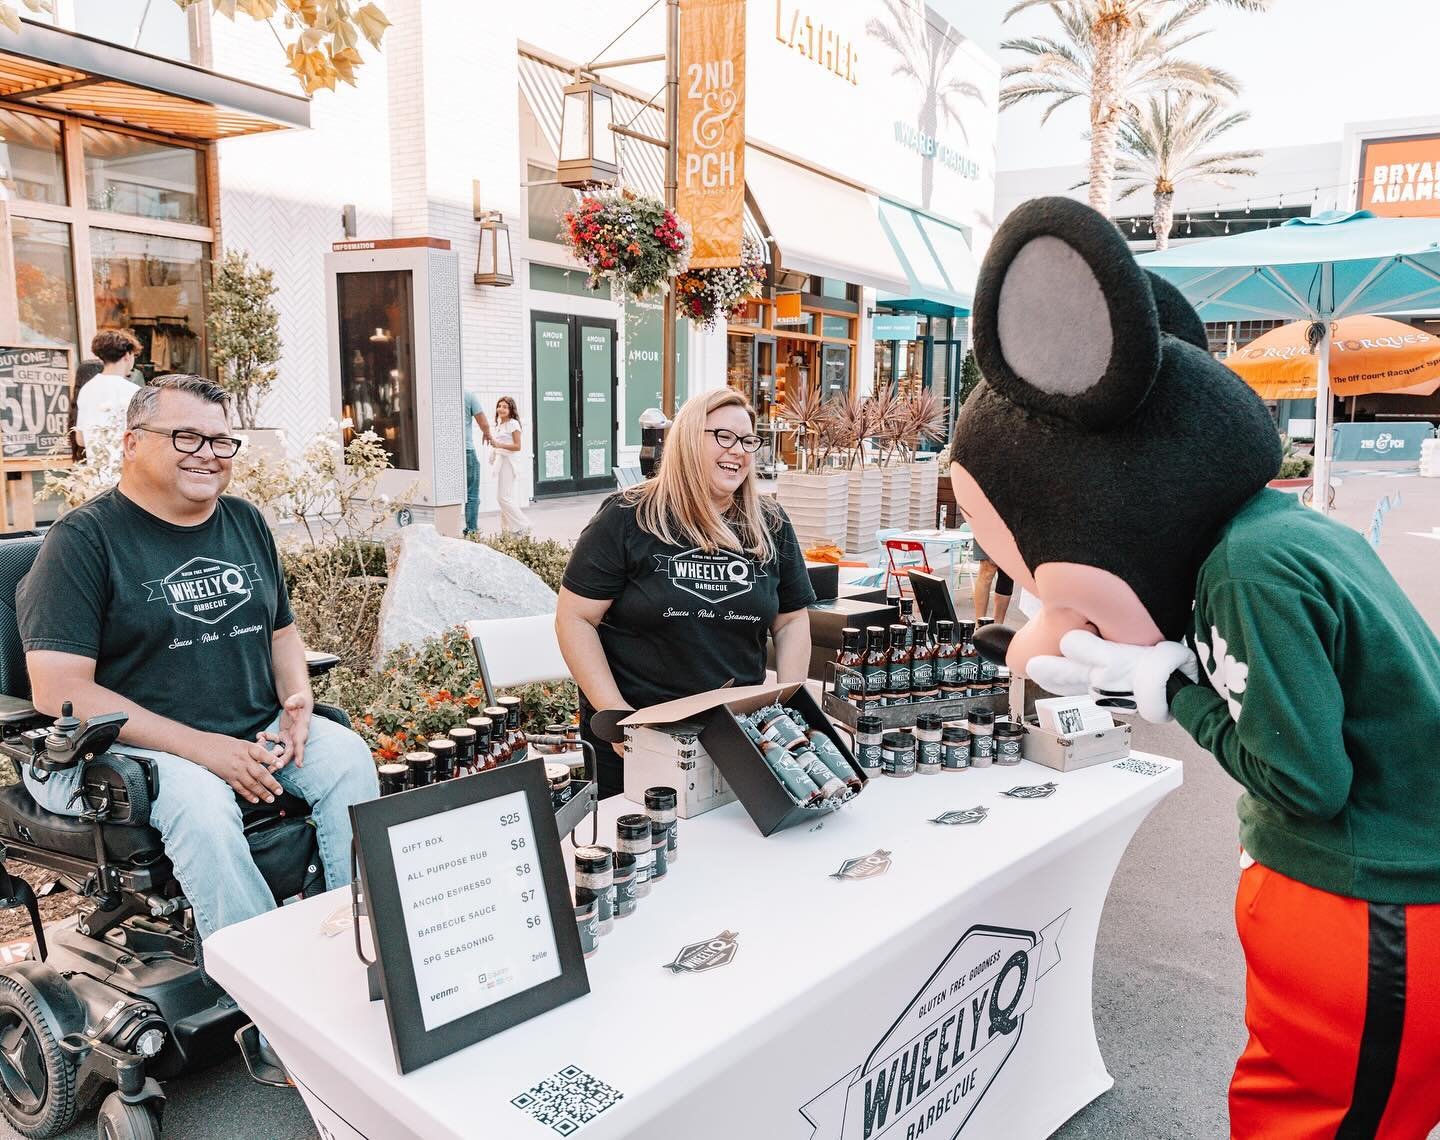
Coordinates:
column 728, row 439
column 190, row 442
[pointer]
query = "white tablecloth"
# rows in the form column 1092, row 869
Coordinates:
column 841, row 996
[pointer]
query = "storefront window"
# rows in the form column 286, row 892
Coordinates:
column 31, row 166
column 155, row 287
column 377, row 360
column 836, row 327
column 831, row 287
column 44, row 281
column 835, row 371
column 160, row 29
column 129, row 175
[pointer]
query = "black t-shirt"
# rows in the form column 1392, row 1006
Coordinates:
column 177, row 618
column 682, row 621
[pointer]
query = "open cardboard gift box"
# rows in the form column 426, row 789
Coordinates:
column 744, row 769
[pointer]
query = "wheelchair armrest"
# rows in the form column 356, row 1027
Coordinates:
column 13, row 710
column 126, row 785
column 331, row 712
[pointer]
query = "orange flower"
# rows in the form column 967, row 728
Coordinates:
column 473, row 702
column 444, row 694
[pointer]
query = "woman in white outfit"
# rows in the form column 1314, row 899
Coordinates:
column 505, row 441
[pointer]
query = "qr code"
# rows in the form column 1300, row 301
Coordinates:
column 1144, row 767
column 567, row 1101
column 595, row 461
column 554, row 464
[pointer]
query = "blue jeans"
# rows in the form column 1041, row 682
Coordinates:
column 472, row 490
column 198, row 818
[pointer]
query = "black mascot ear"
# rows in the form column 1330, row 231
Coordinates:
column 1065, row 322
column 1176, row 315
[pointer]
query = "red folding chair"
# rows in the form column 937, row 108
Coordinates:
column 912, row 556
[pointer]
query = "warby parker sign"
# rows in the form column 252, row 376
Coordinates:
column 930, row 1071
column 711, row 192
column 1398, row 177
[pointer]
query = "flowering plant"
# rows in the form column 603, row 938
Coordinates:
column 706, row 295
column 629, row 239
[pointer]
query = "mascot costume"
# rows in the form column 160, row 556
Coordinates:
column 1117, row 471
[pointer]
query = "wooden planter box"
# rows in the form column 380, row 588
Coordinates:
column 895, row 496
column 862, row 519
column 817, row 503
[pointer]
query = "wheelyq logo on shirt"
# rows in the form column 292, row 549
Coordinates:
column 205, row 589
column 717, row 576
column 930, row 1071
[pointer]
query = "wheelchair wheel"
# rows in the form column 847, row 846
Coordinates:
column 37, row 1081
column 120, row 1120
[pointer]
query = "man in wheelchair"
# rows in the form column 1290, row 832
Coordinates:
column 163, row 599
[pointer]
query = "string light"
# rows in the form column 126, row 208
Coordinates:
column 1247, row 205
column 1227, row 225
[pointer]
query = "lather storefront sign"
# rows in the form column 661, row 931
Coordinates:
column 711, row 191
column 937, row 1061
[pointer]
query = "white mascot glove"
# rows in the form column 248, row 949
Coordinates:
column 1091, row 665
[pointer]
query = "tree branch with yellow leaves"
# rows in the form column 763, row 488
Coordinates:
column 325, row 49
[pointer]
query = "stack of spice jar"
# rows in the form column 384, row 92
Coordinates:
column 610, row 882
column 481, row 743
column 935, row 745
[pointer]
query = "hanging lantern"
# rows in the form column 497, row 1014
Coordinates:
column 587, row 144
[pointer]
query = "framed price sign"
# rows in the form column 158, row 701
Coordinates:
column 469, row 909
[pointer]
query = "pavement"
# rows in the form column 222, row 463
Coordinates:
column 1169, row 978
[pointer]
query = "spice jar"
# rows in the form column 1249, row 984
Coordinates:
column 558, row 777
column 834, row 759
column 587, row 920
column 623, row 878
column 422, row 768
column 659, row 852
column 830, row 786
column 660, row 806
column 780, row 727
column 897, row 754
column 803, row 790
column 928, row 752
column 868, row 735
column 392, row 778
column 1009, row 742
column 955, row 748
column 632, row 833
column 595, row 871
column 982, row 737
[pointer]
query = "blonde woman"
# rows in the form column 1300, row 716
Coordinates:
column 676, row 584
column 504, row 438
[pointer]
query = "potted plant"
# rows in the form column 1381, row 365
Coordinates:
column 887, row 427
column 924, row 419
column 245, row 346
column 627, row 238
column 847, row 426
column 816, row 497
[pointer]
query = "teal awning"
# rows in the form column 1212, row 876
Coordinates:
column 937, row 260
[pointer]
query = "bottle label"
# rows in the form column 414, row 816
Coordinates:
column 982, row 746
column 899, row 679
column 930, row 752
column 969, row 669
column 922, row 674
column 987, row 670
column 947, row 669
column 869, row 756
column 875, row 677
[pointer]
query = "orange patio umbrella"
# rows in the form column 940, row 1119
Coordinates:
column 1367, row 354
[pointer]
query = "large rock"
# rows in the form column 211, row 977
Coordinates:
column 438, row 582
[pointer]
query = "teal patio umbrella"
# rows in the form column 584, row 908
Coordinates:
column 1333, row 265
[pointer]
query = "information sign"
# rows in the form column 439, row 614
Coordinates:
column 35, row 403
column 469, row 909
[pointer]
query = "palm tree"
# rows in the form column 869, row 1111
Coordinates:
column 1160, row 149
column 1110, row 52
column 927, row 55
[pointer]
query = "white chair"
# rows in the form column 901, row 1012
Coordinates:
column 516, row 651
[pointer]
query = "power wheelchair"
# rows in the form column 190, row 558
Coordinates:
column 121, row 997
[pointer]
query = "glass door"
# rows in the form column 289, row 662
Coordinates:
column 574, row 375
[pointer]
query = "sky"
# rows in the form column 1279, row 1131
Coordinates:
column 1306, row 67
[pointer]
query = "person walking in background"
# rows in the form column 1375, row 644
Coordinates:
column 505, row 441
column 87, row 370
column 104, row 398
column 474, row 414
column 1004, row 587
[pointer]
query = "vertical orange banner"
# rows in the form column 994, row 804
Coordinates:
column 711, row 195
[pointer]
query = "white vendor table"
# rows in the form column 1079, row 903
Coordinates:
column 950, row 992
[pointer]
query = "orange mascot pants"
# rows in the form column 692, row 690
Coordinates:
column 1342, row 1000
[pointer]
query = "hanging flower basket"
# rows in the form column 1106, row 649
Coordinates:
column 707, row 295
column 629, row 239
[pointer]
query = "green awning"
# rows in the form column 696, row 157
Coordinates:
column 937, row 261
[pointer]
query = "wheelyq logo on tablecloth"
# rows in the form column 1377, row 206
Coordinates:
column 717, row 576
column 957, row 818
column 698, row 957
column 864, row 866
column 1030, row 791
column 933, row 1067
